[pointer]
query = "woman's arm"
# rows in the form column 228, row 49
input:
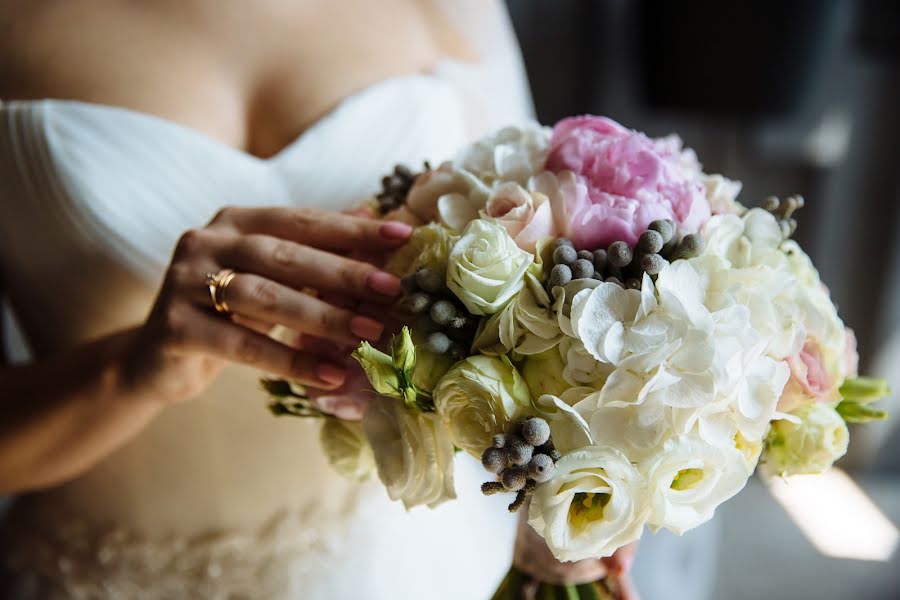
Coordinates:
column 61, row 415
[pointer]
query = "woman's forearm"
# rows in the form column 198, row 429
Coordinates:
column 62, row 415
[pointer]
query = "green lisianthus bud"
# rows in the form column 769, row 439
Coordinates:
column 864, row 389
column 404, row 352
column 855, row 412
column 379, row 369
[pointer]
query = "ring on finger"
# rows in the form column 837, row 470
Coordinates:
column 217, row 283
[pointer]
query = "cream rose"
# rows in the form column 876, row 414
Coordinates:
column 346, row 448
column 413, row 453
column 809, row 443
column 527, row 324
column 594, row 504
column 486, row 268
column 479, row 398
column 429, row 246
column 543, row 373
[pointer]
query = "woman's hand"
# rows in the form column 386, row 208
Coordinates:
column 276, row 253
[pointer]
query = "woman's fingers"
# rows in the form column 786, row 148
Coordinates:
column 265, row 300
column 193, row 330
column 298, row 266
column 323, row 229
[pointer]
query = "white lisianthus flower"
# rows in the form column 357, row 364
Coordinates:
column 346, row 448
column 593, row 505
column 413, row 453
column 527, row 324
column 479, row 398
column 809, row 443
column 689, row 478
column 486, row 268
column 449, row 195
column 510, row 154
column 722, row 194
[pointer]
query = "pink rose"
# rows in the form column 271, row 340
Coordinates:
column 810, row 380
column 526, row 217
column 631, row 180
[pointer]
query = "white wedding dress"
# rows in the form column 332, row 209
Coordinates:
column 216, row 498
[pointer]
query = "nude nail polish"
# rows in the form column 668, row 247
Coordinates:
column 366, row 328
column 384, row 283
column 395, row 230
column 332, row 374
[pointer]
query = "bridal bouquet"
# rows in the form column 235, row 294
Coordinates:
column 605, row 327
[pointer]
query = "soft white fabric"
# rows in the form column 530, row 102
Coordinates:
column 217, row 499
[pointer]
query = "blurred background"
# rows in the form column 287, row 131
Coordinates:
column 788, row 97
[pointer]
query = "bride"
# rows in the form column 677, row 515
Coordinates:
column 136, row 440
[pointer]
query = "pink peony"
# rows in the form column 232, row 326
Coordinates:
column 526, row 217
column 631, row 180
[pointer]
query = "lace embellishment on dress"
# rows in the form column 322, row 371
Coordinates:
column 55, row 558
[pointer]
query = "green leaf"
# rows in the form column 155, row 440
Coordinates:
column 277, row 387
column 380, row 371
column 854, row 412
column 864, row 389
column 294, row 407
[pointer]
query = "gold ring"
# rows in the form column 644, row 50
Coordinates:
column 217, row 282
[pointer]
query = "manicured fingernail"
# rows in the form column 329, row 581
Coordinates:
column 627, row 562
column 332, row 374
column 384, row 283
column 395, row 230
column 366, row 328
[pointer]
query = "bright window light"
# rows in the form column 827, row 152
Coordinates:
column 836, row 516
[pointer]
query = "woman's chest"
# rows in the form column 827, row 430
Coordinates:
column 252, row 75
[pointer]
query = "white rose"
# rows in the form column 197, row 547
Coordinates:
column 448, row 195
column 486, row 268
column 722, row 194
column 346, row 448
column 510, row 154
column 527, row 324
column 809, row 446
column 593, row 505
column 479, row 398
column 413, row 453
column 689, row 478
column 543, row 374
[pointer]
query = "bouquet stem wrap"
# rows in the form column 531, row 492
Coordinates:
column 537, row 575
